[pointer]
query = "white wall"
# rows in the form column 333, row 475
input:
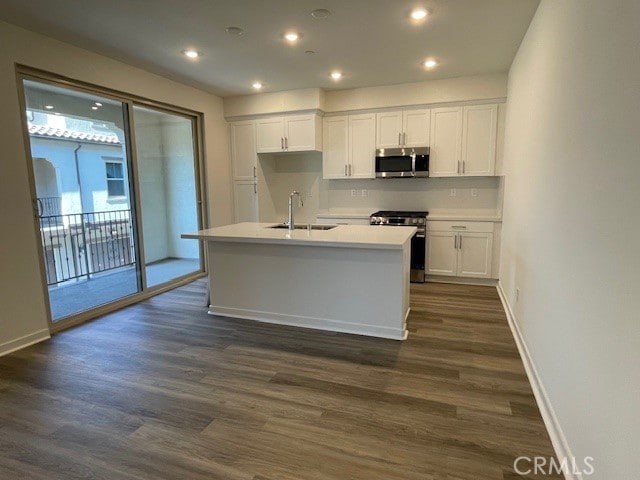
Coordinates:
column 572, row 224
column 22, row 317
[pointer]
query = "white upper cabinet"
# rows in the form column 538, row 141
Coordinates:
column 335, row 148
column 389, row 129
column 415, row 127
column 270, row 135
column 349, row 146
column 243, row 150
column 294, row 133
column 479, row 139
column 446, row 142
column 402, row 128
column 362, row 145
column 463, row 141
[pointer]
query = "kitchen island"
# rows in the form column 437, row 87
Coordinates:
column 350, row 278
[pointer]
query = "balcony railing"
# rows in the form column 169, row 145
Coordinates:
column 49, row 206
column 83, row 244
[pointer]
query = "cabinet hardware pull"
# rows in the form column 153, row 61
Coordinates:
column 350, row 170
column 345, row 170
column 460, row 242
column 463, row 227
column 455, row 242
column 254, row 172
column 281, row 143
column 399, row 139
column 286, row 143
column 404, row 139
column 463, row 166
column 255, row 188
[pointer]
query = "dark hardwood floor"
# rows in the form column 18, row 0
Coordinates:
column 161, row 390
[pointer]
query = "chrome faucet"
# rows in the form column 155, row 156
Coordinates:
column 291, row 223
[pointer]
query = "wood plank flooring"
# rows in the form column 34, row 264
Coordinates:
column 161, row 390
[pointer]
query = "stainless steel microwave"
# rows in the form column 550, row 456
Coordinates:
column 402, row 162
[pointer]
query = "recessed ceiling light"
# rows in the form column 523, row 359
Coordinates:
column 94, row 108
column 192, row 54
column 430, row 63
column 98, row 104
column 49, row 107
column 292, row 36
column 234, row 30
column 320, row 13
column 419, row 14
column 257, row 85
column 56, row 113
column 310, row 52
column 336, row 75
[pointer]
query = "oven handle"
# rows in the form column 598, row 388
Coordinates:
column 413, row 164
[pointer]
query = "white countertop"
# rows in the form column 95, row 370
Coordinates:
column 345, row 236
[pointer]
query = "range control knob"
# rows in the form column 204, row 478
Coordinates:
column 421, row 221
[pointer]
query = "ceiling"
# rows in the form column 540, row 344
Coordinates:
column 374, row 42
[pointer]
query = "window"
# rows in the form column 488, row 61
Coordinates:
column 115, row 179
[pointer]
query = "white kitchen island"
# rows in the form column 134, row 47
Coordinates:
column 351, row 278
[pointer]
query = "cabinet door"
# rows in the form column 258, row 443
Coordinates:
column 416, row 125
column 479, row 140
column 243, row 150
column 269, row 134
column 335, row 148
column 300, row 133
column 245, row 201
column 474, row 254
column 446, row 142
column 388, row 129
column 441, row 253
column 362, row 145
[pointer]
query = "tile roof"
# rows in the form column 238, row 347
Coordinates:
column 46, row 131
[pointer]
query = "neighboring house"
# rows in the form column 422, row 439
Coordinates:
column 83, row 197
column 78, row 171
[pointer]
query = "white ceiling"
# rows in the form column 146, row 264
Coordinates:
column 372, row 41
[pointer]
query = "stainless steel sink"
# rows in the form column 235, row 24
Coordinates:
column 304, row 227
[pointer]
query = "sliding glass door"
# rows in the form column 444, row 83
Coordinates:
column 168, row 199
column 109, row 210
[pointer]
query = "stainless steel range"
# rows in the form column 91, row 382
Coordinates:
column 418, row 242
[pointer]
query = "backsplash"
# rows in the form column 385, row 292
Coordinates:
column 303, row 172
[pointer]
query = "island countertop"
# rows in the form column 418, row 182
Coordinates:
column 344, row 236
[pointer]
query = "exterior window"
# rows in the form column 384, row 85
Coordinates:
column 115, row 179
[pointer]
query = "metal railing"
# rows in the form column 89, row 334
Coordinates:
column 49, row 206
column 82, row 244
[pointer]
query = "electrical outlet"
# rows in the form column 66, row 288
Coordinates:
column 517, row 294
column 354, row 193
column 474, row 192
column 453, row 192
column 365, row 193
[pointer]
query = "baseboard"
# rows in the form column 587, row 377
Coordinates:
column 23, row 342
column 490, row 282
column 330, row 325
column 558, row 439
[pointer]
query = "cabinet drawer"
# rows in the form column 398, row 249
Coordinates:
column 449, row 226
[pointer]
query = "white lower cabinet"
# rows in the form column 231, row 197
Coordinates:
column 460, row 249
column 245, row 195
